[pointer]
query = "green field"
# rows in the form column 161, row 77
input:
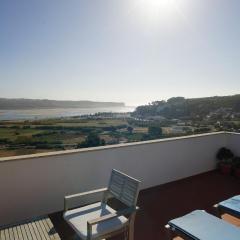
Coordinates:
column 28, row 137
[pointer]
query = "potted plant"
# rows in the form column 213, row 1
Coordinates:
column 225, row 158
column 236, row 166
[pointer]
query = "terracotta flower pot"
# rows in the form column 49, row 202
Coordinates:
column 225, row 169
column 237, row 172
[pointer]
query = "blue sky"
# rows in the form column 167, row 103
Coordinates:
column 134, row 51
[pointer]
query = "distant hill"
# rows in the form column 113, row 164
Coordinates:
column 14, row 104
column 180, row 107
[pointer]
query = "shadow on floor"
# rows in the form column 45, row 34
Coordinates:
column 164, row 202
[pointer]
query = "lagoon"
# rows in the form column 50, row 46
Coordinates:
column 32, row 114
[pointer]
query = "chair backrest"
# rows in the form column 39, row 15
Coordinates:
column 124, row 188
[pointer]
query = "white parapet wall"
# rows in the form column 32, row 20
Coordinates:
column 34, row 185
column 233, row 143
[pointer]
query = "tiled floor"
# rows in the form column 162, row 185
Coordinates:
column 160, row 204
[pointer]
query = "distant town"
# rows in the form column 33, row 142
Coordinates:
column 160, row 119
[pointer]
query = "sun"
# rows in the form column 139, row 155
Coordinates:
column 158, row 3
column 155, row 10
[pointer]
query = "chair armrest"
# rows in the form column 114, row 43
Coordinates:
column 113, row 215
column 108, row 217
column 79, row 195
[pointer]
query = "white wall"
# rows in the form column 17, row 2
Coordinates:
column 233, row 142
column 33, row 186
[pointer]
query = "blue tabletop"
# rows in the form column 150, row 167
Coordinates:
column 232, row 204
column 199, row 225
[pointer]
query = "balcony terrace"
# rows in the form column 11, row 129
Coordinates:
column 178, row 175
column 160, row 204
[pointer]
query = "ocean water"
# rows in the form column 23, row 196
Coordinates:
column 56, row 113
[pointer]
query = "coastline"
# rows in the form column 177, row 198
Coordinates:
column 34, row 114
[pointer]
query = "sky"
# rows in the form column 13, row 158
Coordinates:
column 133, row 51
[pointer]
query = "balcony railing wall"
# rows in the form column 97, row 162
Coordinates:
column 233, row 142
column 35, row 185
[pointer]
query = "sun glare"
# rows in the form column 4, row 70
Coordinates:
column 158, row 3
column 155, row 9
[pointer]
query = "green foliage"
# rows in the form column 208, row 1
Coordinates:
column 154, row 131
column 15, row 127
column 92, row 140
column 38, row 143
column 43, row 134
column 130, row 129
column 180, row 107
column 26, row 127
column 134, row 137
column 202, row 130
column 225, row 155
column 4, row 141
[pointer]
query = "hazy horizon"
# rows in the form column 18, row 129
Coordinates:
column 90, row 100
column 131, row 51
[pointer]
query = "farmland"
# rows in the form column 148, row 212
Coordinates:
column 28, row 137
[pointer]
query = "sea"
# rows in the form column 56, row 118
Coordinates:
column 35, row 114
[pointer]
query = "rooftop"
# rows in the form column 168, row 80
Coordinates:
column 178, row 176
column 162, row 203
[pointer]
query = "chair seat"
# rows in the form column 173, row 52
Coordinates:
column 232, row 204
column 200, row 225
column 77, row 218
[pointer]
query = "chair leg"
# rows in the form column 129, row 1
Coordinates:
column 126, row 233
column 131, row 227
column 217, row 211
